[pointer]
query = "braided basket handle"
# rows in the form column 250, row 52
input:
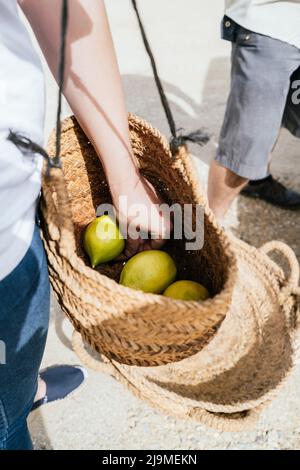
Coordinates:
column 294, row 277
column 85, row 357
column 56, row 208
column 220, row 422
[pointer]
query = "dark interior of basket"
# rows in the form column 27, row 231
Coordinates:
column 88, row 188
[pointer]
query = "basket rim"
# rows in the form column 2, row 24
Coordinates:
column 94, row 275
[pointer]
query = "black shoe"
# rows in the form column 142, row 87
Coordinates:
column 274, row 192
column 61, row 382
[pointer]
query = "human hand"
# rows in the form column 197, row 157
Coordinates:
column 138, row 210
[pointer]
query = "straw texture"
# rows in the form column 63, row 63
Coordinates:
column 219, row 362
column 229, row 383
column 126, row 325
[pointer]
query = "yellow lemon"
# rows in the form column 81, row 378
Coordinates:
column 187, row 290
column 150, row 271
column 103, row 241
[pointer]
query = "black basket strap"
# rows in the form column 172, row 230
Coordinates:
column 25, row 144
column 61, row 76
column 177, row 139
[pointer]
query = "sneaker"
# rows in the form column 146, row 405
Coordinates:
column 61, row 382
column 274, row 192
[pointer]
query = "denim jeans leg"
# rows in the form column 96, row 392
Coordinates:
column 24, row 318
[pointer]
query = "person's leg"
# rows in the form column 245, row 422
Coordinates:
column 261, row 70
column 24, row 316
column 223, row 187
column 270, row 189
column 18, row 437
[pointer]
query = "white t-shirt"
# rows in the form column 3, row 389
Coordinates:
column 22, row 109
column 279, row 19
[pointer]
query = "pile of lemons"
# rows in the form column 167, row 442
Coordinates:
column 152, row 271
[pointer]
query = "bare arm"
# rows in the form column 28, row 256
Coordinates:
column 93, row 84
column 94, row 91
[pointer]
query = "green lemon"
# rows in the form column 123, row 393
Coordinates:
column 150, row 271
column 103, row 241
column 187, row 290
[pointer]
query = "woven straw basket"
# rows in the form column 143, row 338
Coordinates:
column 229, row 383
column 219, row 362
column 125, row 325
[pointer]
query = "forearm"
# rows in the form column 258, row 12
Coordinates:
column 92, row 82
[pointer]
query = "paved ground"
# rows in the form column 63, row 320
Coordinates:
column 194, row 65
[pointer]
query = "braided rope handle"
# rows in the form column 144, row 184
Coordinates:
column 293, row 279
column 213, row 420
column 290, row 306
column 86, row 358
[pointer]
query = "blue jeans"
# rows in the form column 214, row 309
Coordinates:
column 24, row 318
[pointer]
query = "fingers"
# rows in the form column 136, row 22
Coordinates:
column 157, row 244
column 137, row 246
column 132, row 247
